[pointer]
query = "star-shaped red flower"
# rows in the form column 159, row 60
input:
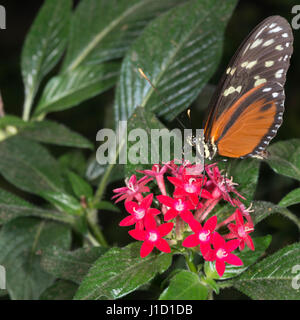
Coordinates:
column 222, row 253
column 139, row 212
column 133, row 189
column 241, row 231
column 152, row 237
column 202, row 236
column 178, row 206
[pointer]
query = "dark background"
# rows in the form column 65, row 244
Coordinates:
column 88, row 117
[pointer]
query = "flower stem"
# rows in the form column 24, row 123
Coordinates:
column 97, row 232
column 101, row 188
column 27, row 107
column 210, row 295
column 92, row 221
column 104, row 181
column 189, row 257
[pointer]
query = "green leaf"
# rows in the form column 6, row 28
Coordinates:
column 263, row 209
column 178, row 52
column 44, row 46
column 141, row 118
column 185, row 285
column 60, row 290
column 107, row 205
column 63, row 202
column 247, row 256
column 80, row 186
column 71, row 265
column 69, row 89
column 21, row 243
column 95, row 171
column 47, row 131
column 109, row 28
column 244, row 172
column 43, row 131
column 73, row 160
column 121, row 271
column 11, row 121
column 285, row 158
column 274, row 277
column 29, row 166
column 291, row 198
column 12, row 207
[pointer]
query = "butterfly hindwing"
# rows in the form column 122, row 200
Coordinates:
column 261, row 62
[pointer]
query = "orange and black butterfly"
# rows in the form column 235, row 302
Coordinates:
column 247, row 108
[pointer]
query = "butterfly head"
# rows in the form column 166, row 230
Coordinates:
column 210, row 149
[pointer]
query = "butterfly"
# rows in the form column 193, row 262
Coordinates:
column 247, row 108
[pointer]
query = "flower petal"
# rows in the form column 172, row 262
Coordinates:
column 177, row 182
column 195, row 225
column 207, row 252
column 249, row 242
column 162, row 245
column 165, row 228
column 166, row 200
column 128, row 221
column 191, row 241
column 205, row 194
column 153, row 211
column 170, row 214
column 211, row 224
column 146, row 202
column 131, row 206
column 187, row 216
column 150, row 222
column 132, row 179
column 218, row 241
column 138, row 234
column 146, row 248
column 233, row 259
column 220, row 266
column 193, row 198
column 232, row 245
column 233, row 228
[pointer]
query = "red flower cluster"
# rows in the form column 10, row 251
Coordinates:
column 192, row 201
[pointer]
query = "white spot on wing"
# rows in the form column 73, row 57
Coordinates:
column 232, row 71
column 251, row 64
column 275, row 94
column 275, row 29
column 256, row 43
column 278, row 73
column 268, row 42
column 266, row 89
column 279, row 47
column 269, row 63
column 284, row 35
column 232, row 90
column 259, row 82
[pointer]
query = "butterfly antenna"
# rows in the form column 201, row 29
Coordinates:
column 142, row 73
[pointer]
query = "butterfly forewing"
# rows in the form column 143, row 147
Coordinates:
column 260, row 63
